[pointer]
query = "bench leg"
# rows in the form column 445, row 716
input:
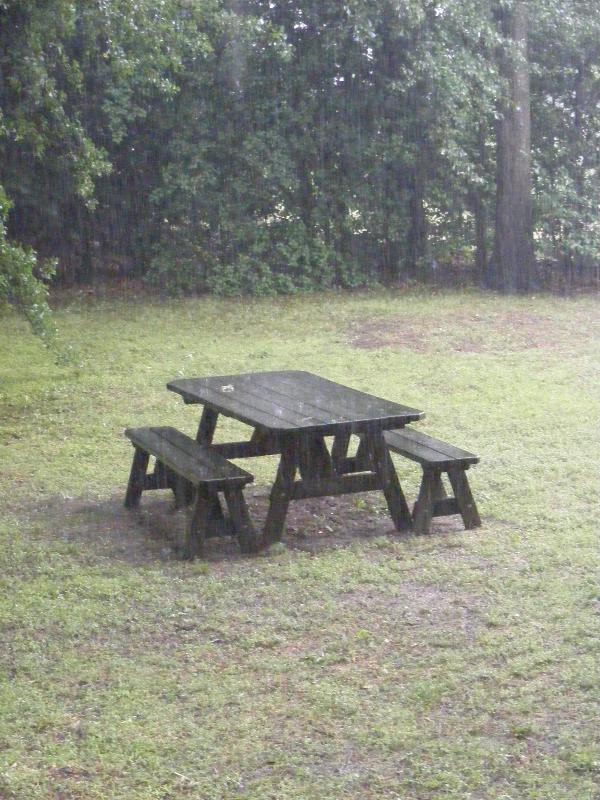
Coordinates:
column 193, row 545
column 242, row 524
column 464, row 498
column 135, row 486
column 439, row 490
column 339, row 451
column 423, row 508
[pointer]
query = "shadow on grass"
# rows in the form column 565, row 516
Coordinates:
column 105, row 529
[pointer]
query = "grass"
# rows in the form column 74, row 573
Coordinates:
column 459, row 665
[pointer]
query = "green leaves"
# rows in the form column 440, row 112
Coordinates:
column 23, row 280
column 231, row 146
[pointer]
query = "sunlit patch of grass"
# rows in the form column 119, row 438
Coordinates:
column 457, row 665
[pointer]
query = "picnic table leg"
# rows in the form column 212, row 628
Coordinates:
column 206, row 428
column 313, row 456
column 205, row 434
column 381, row 461
column 339, row 451
column 362, row 457
column 193, row 545
column 241, row 520
column 281, row 492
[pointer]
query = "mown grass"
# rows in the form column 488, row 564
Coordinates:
column 460, row 665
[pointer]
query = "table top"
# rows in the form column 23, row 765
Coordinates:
column 293, row 400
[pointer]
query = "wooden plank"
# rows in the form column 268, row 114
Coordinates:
column 425, row 449
column 339, row 451
column 443, row 447
column 208, row 423
column 314, row 458
column 341, row 484
column 248, row 449
column 439, row 490
column 193, row 545
column 334, row 401
column 264, row 441
column 380, row 458
column 445, row 507
column 252, row 406
column 193, row 461
column 292, row 400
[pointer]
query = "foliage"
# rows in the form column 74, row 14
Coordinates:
column 23, row 280
column 566, row 79
column 267, row 146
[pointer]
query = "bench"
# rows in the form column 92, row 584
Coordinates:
column 195, row 473
column 436, row 458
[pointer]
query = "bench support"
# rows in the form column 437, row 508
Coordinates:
column 196, row 475
column 137, row 478
column 434, row 502
column 464, row 498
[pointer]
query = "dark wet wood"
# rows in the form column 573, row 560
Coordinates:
column 195, row 462
column 238, row 511
column 314, row 457
column 423, row 509
column 464, row 499
column 429, row 451
column 281, row 493
column 249, row 449
column 343, row 484
column 195, row 472
column 379, row 456
column 339, row 451
column 293, row 401
column 208, row 423
column 437, row 457
column 446, row 507
column 193, row 545
column 291, row 413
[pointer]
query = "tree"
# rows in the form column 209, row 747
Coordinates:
column 513, row 243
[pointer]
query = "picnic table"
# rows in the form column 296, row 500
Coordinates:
column 291, row 412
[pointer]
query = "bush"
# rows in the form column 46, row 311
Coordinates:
column 22, row 280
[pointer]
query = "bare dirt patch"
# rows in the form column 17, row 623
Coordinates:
column 514, row 331
column 106, row 529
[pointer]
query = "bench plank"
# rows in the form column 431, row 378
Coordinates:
column 428, row 451
column 197, row 463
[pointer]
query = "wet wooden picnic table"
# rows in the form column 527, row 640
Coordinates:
column 291, row 413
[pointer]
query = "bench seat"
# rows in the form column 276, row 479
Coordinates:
column 194, row 472
column 437, row 457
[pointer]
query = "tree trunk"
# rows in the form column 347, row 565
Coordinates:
column 417, row 238
column 479, row 206
column 513, row 244
column 481, row 255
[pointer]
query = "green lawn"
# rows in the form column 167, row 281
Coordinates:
column 458, row 665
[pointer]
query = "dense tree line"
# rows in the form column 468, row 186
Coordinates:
column 279, row 145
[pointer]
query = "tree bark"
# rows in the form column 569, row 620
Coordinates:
column 513, row 241
column 417, row 237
